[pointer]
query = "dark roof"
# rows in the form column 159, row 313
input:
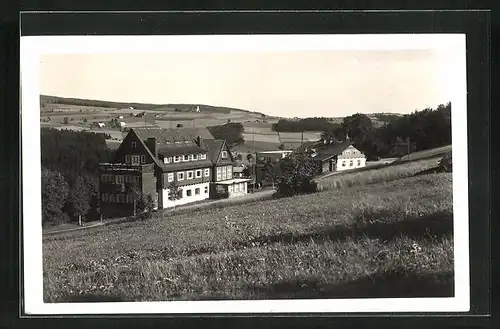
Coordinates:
column 186, row 165
column 180, row 149
column 332, row 149
column 322, row 157
column 172, row 134
column 214, row 147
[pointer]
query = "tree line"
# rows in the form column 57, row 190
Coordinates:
column 420, row 130
column 307, row 124
column 231, row 132
column 70, row 181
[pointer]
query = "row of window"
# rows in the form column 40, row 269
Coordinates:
column 117, row 198
column 352, row 152
column 119, row 179
column 135, row 159
column 351, row 163
column 185, row 158
column 241, row 187
column 197, row 191
column 224, row 173
column 190, row 174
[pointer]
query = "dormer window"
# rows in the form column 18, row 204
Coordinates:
column 186, row 158
column 134, row 145
column 177, row 158
column 224, row 154
column 203, row 156
column 167, row 160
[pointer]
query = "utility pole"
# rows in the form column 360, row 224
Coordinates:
column 408, row 142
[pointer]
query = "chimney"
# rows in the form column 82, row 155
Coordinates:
column 151, row 144
column 198, row 140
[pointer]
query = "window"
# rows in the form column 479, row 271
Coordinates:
column 170, row 177
column 127, row 158
column 134, row 145
column 350, row 163
column 191, row 157
column 197, row 191
column 224, row 154
column 135, row 159
column 111, row 198
column 103, row 197
column 186, row 158
column 190, row 174
column 224, row 173
column 229, row 171
column 219, row 173
column 136, row 179
column 177, row 158
column 143, row 159
column 203, row 156
column 207, row 172
column 197, row 157
column 180, row 176
column 343, row 163
column 230, row 188
column 119, row 179
column 206, row 189
column 167, row 160
column 188, row 192
column 198, row 173
column 359, row 162
column 236, row 186
column 129, row 198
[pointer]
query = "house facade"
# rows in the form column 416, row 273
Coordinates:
column 223, row 162
column 333, row 157
column 161, row 159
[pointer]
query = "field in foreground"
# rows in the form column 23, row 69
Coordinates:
column 389, row 239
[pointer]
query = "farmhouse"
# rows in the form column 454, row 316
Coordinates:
column 337, row 156
column 150, row 160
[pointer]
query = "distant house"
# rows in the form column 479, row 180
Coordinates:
column 238, row 171
column 122, row 124
column 120, row 117
column 272, row 156
column 98, row 124
column 331, row 157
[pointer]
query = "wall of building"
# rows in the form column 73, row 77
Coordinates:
column 204, row 189
column 237, row 189
column 350, row 163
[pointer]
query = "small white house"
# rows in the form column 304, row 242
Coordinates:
column 101, row 124
column 122, row 124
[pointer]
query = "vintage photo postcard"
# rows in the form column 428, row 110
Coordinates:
column 244, row 174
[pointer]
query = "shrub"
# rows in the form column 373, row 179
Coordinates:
column 297, row 173
column 446, row 163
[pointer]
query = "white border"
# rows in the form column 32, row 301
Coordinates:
column 33, row 47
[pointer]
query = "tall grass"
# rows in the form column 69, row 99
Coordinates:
column 391, row 239
column 376, row 175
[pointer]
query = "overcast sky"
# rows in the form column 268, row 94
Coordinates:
column 306, row 83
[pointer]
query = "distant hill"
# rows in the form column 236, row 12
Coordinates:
column 45, row 100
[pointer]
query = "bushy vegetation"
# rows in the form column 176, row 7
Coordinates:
column 231, row 132
column 307, row 124
column 296, row 177
column 70, row 162
column 381, row 240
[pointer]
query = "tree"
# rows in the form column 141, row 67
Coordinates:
column 55, row 190
column 79, row 199
column 269, row 173
column 174, row 192
column 231, row 132
column 249, row 157
column 357, row 126
column 297, row 173
column 65, row 120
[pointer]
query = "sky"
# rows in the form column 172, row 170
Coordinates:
column 331, row 83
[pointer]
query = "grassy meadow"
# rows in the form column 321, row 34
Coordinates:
column 391, row 238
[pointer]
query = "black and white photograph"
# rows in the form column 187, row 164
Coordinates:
column 245, row 173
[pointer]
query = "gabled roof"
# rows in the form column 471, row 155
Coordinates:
column 332, row 149
column 214, row 147
column 173, row 134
